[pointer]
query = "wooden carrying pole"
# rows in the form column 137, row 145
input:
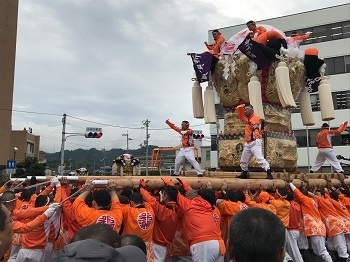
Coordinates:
column 210, row 182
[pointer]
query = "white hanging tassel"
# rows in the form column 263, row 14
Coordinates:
column 284, row 89
column 326, row 101
column 209, row 105
column 254, row 89
column 197, row 100
column 305, row 108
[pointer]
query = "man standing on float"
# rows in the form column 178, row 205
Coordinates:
column 187, row 147
column 253, row 138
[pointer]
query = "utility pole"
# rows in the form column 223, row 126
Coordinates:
column 60, row 168
column 127, row 141
column 146, row 124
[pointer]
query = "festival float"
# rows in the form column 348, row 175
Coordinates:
column 269, row 71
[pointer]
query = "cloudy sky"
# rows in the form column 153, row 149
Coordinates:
column 115, row 63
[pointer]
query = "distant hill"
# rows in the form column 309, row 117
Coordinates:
column 92, row 158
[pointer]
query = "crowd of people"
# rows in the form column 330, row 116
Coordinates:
column 65, row 222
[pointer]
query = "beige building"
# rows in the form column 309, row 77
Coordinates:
column 8, row 35
column 26, row 143
column 13, row 144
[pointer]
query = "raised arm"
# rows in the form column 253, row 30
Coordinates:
column 240, row 113
column 339, row 130
column 173, row 126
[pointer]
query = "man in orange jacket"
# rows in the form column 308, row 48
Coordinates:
column 166, row 219
column 203, row 234
column 106, row 208
column 187, row 147
column 325, row 150
column 313, row 225
column 253, row 137
column 219, row 39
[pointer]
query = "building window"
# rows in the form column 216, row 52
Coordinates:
column 207, row 155
column 341, row 100
column 325, row 33
column 347, row 63
column 346, row 29
column 330, row 68
column 30, row 149
column 301, row 138
column 220, row 112
column 336, row 31
column 320, row 34
column 337, row 140
column 214, row 144
column 339, row 65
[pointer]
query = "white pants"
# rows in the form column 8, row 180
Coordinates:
column 303, row 242
column 326, row 154
column 253, row 149
column 338, row 243
column 292, row 245
column 318, row 245
column 30, row 255
column 49, row 252
column 14, row 251
column 186, row 153
column 347, row 239
column 178, row 259
column 159, row 253
column 208, row 251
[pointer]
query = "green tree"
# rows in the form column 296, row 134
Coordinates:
column 30, row 167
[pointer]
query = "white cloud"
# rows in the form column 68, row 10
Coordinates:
column 118, row 63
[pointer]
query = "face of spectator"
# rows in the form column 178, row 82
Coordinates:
column 6, row 234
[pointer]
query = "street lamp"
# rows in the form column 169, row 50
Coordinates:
column 127, row 141
column 15, row 149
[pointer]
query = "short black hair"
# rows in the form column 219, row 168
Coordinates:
column 325, row 125
column 126, row 191
column 231, row 196
column 290, row 196
column 334, row 195
column 134, row 240
column 171, row 192
column 41, row 201
column 215, row 31
column 185, row 121
column 27, row 194
column 256, row 234
column 99, row 232
column 136, row 197
column 240, row 196
column 282, row 191
column 250, row 22
column 102, row 198
column 209, row 196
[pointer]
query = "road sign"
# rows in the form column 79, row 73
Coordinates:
column 11, row 164
column 93, row 129
column 10, row 171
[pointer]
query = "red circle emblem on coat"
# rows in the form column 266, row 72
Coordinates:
column 216, row 218
column 144, row 220
column 106, row 219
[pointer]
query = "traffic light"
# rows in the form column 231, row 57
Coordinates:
column 198, row 136
column 93, row 134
